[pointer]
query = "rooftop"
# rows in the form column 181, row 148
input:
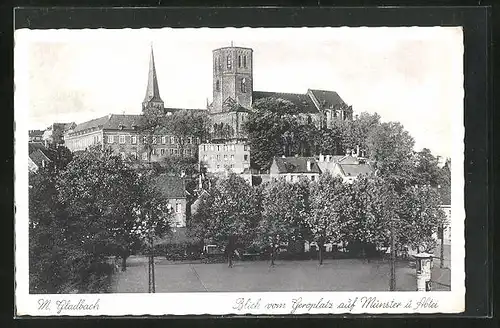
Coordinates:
column 296, row 165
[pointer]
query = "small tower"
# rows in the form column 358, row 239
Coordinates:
column 232, row 77
column 152, row 98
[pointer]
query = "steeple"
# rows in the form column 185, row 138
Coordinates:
column 152, row 98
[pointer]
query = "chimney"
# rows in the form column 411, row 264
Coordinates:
column 321, row 158
column 309, row 164
column 357, row 151
column 347, row 151
column 327, row 158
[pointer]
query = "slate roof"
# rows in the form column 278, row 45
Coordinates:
column 354, row 170
column 296, row 165
column 35, row 133
column 152, row 90
column 327, row 99
column 111, row 122
column 303, row 102
column 42, row 154
column 33, row 146
column 171, row 186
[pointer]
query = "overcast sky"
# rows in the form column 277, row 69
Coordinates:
column 410, row 75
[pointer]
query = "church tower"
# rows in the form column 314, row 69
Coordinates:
column 232, row 78
column 152, row 98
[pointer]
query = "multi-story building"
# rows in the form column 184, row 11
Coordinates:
column 223, row 157
column 35, row 135
column 121, row 133
column 54, row 134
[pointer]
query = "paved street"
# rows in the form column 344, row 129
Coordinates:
column 334, row 275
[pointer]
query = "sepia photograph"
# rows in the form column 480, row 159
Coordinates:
column 261, row 170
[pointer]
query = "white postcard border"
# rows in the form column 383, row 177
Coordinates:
column 219, row 303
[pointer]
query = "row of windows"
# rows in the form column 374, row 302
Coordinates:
column 154, row 139
column 159, row 152
column 222, row 148
column 242, row 62
column 217, row 157
column 243, row 85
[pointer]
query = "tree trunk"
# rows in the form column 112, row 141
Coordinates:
column 392, row 285
column 272, row 254
column 229, row 256
column 320, row 253
column 441, row 255
column 124, row 263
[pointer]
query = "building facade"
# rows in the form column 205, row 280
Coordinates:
column 54, row 134
column 224, row 157
column 173, row 189
column 122, row 135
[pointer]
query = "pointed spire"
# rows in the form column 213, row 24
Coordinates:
column 152, row 91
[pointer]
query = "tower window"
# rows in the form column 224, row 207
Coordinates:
column 217, row 85
column 245, row 61
column 243, row 85
column 239, row 60
column 229, row 63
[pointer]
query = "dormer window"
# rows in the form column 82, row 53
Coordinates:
column 121, row 126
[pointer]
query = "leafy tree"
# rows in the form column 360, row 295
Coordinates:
column 184, row 124
column 266, row 127
column 152, row 213
column 444, row 182
column 427, row 171
column 419, row 217
column 304, row 142
column 328, row 199
column 99, row 194
column 233, row 213
column 391, row 147
column 285, row 208
column 45, row 234
column 367, row 214
column 359, row 129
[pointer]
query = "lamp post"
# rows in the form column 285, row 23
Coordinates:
column 392, row 283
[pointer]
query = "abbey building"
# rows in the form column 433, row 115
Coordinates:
column 233, row 96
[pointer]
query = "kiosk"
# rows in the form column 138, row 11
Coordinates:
column 424, row 265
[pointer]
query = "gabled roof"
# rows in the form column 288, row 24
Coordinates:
column 171, row 186
column 111, row 121
column 355, row 170
column 348, row 159
column 33, row 146
column 296, row 165
column 303, row 102
column 327, row 99
column 42, row 155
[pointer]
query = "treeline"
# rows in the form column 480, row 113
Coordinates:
column 235, row 215
column 275, row 128
column 85, row 210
